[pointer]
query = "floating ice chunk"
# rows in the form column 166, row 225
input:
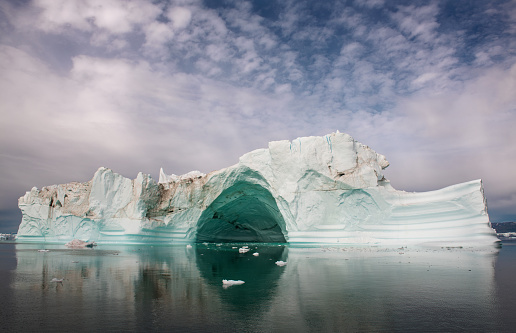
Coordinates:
column 43, row 250
column 77, row 243
column 256, row 254
column 188, row 246
column 232, row 282
column 57, row 280
column 243, row 250
column 280, row 263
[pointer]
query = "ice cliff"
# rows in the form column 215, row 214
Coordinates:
column 319, row 190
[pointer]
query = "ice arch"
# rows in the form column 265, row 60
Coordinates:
column 244, row 212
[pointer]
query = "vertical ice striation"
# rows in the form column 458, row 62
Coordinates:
column 328, row 190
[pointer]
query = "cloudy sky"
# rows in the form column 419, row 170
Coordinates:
column 192, row 85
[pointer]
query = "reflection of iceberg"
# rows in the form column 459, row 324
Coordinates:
column 327, row 189
column 259, row 273
column 364, row 289
column 321, row 289
column 110, row 287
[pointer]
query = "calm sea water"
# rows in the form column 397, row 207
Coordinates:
column 323, row 289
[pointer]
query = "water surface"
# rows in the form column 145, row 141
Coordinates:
column 321, row 289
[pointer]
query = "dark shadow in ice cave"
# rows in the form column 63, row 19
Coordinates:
column 244, row 212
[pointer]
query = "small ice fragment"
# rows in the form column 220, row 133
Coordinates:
column 256, row 254
column 188, row 246
column 57, row 280
column 234, row 247
column 245, row 247
column 232, row 282
column 77, row 243
column 281, row 263
column 243, row 250
column 43, row 250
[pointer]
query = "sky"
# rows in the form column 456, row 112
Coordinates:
column 192, row 85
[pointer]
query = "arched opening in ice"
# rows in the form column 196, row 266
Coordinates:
column 244, row 212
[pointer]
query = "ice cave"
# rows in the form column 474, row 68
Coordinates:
column 242, row 213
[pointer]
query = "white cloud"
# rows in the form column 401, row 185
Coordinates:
column 460, row 135
column 180, row 17
column 424, row 78
column 157, row 34
column 418, row 22
column 115, row 16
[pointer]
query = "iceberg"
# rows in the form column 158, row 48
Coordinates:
column 312, row 190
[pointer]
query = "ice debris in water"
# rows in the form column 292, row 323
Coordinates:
column 256, row 254
column 243, row 249
column 77, row 243
column 188, row 246
column 56, row 280
column 232, row 282
column 280, row 263
column 43, row 250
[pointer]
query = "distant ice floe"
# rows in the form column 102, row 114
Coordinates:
column 280, row 263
